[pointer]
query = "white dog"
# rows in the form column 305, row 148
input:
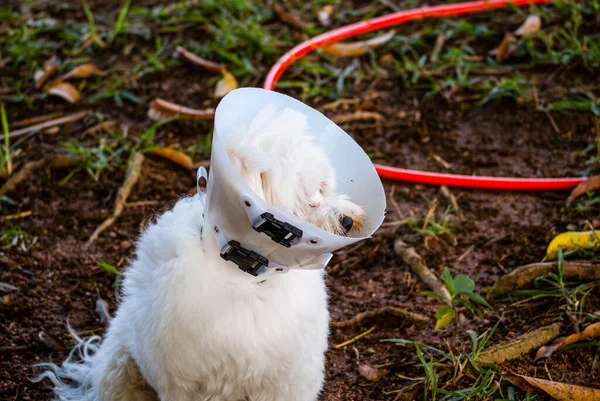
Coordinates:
column 192, row 326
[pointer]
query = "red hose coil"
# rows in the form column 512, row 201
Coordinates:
column 424, row 177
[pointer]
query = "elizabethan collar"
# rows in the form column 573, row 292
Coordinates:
column 261, row 238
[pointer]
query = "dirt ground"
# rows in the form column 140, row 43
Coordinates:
column 492, row 233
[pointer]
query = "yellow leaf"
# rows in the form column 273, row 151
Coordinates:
column 65, row 90
column 83, row 71
column 558, row 391
column 42, row 75
column 351, row 49
column 225, row 84
column 174, row 156
column 532, row 24
column 571, row 240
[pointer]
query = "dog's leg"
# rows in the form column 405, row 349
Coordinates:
column 117, row 376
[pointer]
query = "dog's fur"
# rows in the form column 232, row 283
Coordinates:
column 193, row 327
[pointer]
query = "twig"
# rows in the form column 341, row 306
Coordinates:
column 10, row 348
column 206, row 64
column 523, row 275
column 16, row 216
column 103, row 126
column 552, row 122
column 377, row 313
column 355, row 339
column 36, row 120
column 56, row 161
column 439, row 43
column 358, row 115
column 130, row 180
column 142, row 203
column 48, row 124
column 412, row 258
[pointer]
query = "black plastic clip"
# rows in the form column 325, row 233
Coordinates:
column 281, row 232
column 248, row 261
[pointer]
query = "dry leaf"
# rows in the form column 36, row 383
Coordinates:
column 324, row 15
column 556, row 390
column 65, row 90
column 592, row 330
column 520, row 345
column 161, row 109
column 83, row 71
column 591, row 184
column 505, row 50
column 532, row 24
column 51, row 341
column 287, row 17
column 225, row 84
column 175, row 156
column 351, row 49
column 192, row 58
column 524, row 275
column 572, row 240
column 371, row 374
column 42, row 75
column 102, row 311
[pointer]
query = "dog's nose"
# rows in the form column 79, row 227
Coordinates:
column 347, row 223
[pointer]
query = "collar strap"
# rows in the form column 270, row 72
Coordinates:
column 279, row 231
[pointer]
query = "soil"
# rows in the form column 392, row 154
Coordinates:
column 59, row 278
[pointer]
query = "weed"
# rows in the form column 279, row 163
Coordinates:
column 16, row 238
column 5, row 156
column 118, row 278
column 461, row 292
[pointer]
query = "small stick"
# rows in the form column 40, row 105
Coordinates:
column 16, row 216
column 521, row 276
column 439, row 43
column 36, row 120
column 355, row 339
column 57, row 161
column 103, row 126
column 414, row 260
column 9, row 348
column 48, row 124
column 142, row 203
column 374, row 314
column 130, row 180
column 206, row 64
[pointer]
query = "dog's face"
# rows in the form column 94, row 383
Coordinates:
column 305, row 186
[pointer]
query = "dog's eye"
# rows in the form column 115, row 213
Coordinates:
column 321, row 191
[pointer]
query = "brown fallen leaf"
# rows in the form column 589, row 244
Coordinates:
column 47, row 70
column 520, row 345
column 590, row 331
column 505, row 50
column 102, row 310
column 192, row 58
column 161, row 109
column 556, row 390
column 51, row 342
column 82, row 71
column 524, row 275
column 65, row 90
column 288, row 17
column 532, row 24
column 324, row 15
column 591, row 184
column 371, row 374
column 352, row 49
column 225, row 84
column 175, row 156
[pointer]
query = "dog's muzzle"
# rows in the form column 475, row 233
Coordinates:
column 263, row 239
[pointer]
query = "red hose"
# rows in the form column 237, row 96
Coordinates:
column 424, row 177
